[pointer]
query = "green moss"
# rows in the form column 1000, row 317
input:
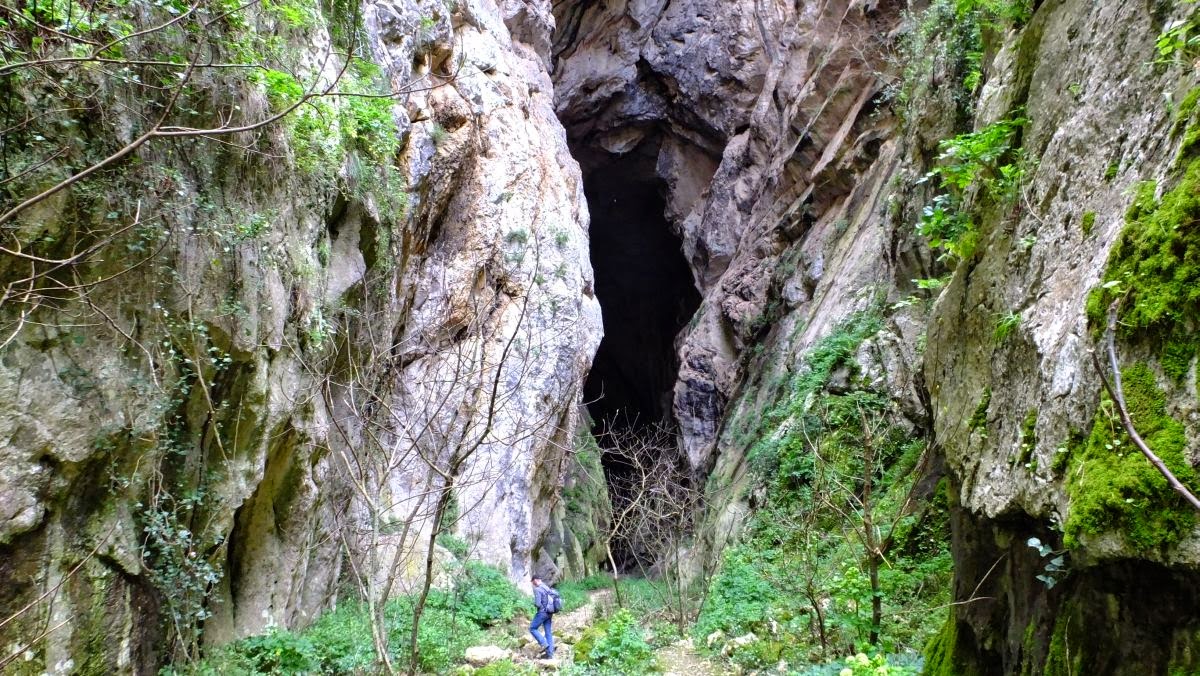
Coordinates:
column 1176, row 356
column 945, row 656
column 1154, row 269
column 1064, row 656
column 1113, row 488
column 1111, row 171
column 1088, row 222
column 1187, row 106
column 979, row 417
column 1076, row 441
column 1184, row 123
column 1029, row 438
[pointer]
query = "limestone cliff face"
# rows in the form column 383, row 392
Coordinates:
column 791, row 142
column 776, row 155
column 1020, row 415
column 220, row 415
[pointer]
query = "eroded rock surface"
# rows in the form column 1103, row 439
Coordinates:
column 464, row 275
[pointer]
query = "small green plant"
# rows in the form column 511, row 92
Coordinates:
column 437, row 134
column 1180, row 40
column 967, row 161
column 861, row 665
column 283, row 89
column 617, row 645
column 1006, row 323
column 484, row 595
column 1055, row 565
column 280, row 652
column 297, row 14
column 455, row 545
column 252, row 228
column 1087, row 223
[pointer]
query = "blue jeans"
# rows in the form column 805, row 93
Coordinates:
column 543, row 619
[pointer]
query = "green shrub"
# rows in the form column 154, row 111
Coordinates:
column 740, row 597
column 441, row 640
column 617, row 645
column 277, row 652
column 280, row 652
column 503, row 668
column 455, row 545
column 484, row 595
column 980, row 158
column 341, row 639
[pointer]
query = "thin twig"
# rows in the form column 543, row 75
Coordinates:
column 1118, row 396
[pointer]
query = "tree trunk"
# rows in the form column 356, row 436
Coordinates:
column 443, row 502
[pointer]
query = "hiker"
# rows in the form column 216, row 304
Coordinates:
column 547, row 602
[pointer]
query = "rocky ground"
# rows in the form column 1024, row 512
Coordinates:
column 677, row 659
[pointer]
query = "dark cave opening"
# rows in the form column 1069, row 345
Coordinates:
column 647, row 295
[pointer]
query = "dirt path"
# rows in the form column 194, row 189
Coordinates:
column 681, row 659
column 579, row 619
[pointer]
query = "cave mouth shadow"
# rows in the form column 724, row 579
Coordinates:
column 647, row 295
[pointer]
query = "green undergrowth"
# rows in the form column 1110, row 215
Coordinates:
column 340, row 640
column 798, row 578
column 616, row 645
column 575, row 593
column 1114, row 488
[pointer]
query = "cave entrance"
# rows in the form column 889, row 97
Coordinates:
column 647, row 295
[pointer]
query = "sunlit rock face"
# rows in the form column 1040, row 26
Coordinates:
column 456, row 298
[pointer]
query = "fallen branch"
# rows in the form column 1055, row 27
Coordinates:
column 1115, row 392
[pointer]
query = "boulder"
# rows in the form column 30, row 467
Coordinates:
column 482, row 655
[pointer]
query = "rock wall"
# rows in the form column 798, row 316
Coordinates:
column 793, row 141
column 1040, row 458
column 217, row 437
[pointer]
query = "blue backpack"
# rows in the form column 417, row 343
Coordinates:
column 553, row 600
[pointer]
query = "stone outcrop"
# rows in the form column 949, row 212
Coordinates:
column 258, row 405
column 200, row 435
column 791, row 145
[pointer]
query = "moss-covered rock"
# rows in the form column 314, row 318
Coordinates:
column 1112, row 486
column 946, row 656
column 1154, row 273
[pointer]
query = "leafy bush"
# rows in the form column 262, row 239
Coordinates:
column 966, row 161
column 442, row 639
column 861, row 665
column 455, row 545
column 484, row 595
column 280, row 652
column 617, row 645
column 341, row 639
column 740, row 597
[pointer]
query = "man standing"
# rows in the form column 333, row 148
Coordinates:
column 545, row 613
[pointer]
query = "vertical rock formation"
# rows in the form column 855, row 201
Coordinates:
column 193, row 444
column 794, row 186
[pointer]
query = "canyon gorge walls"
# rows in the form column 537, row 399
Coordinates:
column 246, row 372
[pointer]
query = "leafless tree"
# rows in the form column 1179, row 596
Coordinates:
column 655, row 506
